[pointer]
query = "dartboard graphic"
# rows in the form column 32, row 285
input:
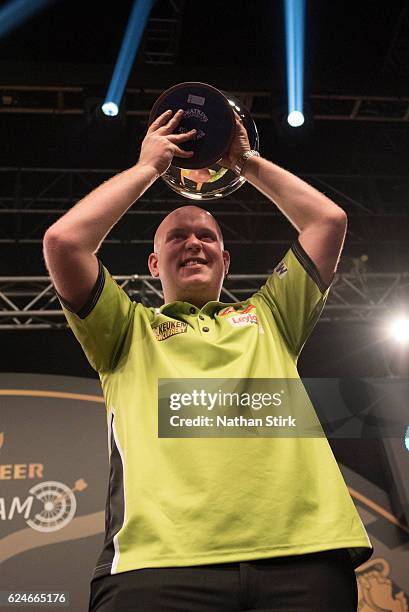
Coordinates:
column 59, row 506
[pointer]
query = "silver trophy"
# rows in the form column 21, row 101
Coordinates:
column 211, row 113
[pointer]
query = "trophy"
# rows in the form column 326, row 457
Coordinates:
column 211, row 113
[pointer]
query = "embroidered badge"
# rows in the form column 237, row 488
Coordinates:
column 281, row 270
column 169, row 328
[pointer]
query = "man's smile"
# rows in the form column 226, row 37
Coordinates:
column 191, row 262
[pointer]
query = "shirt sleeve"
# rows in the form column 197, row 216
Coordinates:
column 296, row 295
column 101, row 325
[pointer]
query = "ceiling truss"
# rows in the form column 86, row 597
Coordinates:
column 30, row 302
column 160, row 45
column 32, row 199
column 72, row 100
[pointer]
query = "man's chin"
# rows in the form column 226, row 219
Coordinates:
column 196, row 277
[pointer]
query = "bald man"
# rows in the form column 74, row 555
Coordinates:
column 191, row 272
column 208, row 525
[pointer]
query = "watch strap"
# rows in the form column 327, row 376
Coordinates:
column 238, row 167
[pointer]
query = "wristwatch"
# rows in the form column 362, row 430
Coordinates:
column 238, row 167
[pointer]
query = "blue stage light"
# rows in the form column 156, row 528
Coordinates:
column 132, row 38
column 294, row 12
column 16, row 12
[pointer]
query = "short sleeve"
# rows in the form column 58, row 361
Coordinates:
column 296, row 295
column 102, row 323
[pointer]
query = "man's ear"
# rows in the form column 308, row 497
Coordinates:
column 153, row 264
column 226, row 259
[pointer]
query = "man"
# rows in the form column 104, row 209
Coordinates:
column 208, row 524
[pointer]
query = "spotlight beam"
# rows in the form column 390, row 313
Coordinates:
column 130, row 44
column 16, row 12
column 294, row 13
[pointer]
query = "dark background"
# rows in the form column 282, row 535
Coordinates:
column 352, row 48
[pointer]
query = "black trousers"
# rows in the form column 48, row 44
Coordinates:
column 316, row 582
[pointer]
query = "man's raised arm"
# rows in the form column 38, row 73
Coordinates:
column 71, row 242
column 320, row 222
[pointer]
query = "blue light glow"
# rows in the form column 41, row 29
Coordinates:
column 294, row 11
column 132, row 38
column 407, row 439
column 16, row 12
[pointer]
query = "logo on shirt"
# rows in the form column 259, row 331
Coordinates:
column 241, row 320
column 231, row 309
column 169, row 328
column 227, row 311
column 281, row 270
column 248, row 309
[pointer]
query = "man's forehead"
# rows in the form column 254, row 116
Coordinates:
column 185, row 216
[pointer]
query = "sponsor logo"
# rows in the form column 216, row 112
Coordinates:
column 50, row 505
column 231, row 309
column 227, row 311
column 19, row 471
column 248, row 309
column 241, row 320
column 281, row 270
column 169, row 328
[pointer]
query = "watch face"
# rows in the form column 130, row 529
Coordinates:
column 211, row 113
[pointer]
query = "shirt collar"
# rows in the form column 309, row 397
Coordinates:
column 210, row 308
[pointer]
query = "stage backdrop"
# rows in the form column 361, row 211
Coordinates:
column 53, row 484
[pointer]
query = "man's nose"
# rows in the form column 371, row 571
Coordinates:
column 193, row 242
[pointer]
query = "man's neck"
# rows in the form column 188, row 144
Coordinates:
column 198, row 301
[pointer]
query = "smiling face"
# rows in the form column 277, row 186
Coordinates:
column 189, row 257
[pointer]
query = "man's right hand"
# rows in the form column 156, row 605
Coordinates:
column 160, row 144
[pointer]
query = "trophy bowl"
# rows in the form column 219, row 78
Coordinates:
column 211, row 112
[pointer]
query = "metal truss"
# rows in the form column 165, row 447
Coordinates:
column 72, row 100
column 162, row 34
column 397, row 58
column 30, row 302
column 32, row 199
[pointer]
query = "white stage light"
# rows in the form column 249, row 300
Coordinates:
column 110, row 109
column 295, row 118
column 399, row 329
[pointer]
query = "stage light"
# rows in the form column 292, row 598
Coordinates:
column 407, row 439
column 294, row 13
column 295, row 118
column 399, row 330
column 110, row 109
column 133, row 34
column 16, row 12
column 284, row 129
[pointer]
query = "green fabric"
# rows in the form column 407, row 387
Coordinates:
column 198, row 501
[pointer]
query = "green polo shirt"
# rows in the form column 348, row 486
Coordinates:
column 193, row 501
